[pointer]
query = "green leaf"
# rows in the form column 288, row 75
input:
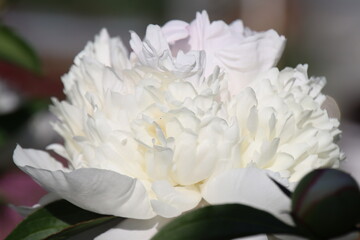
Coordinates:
column 15, row 50
column 58, row 220
column 223, row 222
column 81, row 227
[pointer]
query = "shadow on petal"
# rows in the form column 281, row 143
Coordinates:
column 98, row 190
column 250, row 186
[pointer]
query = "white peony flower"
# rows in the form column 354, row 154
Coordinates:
column 150, row 136
column 241, row 52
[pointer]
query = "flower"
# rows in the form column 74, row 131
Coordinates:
column 153, row 134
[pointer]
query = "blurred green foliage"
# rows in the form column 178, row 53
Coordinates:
column 15, row 50
column 57, row 220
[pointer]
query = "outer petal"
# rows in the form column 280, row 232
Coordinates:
column 250, row 186
column 97, row 190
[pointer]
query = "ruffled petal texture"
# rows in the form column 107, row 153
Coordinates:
column 282, row 125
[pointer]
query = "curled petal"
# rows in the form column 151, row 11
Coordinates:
column 175, row 30
column 97, row 190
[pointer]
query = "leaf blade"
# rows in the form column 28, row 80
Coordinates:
column 223, row 222
column 79, row 228
column 14, row 49
column 60, row 217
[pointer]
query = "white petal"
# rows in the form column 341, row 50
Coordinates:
column 97, row 190
column 172, row 201
column 175, row 30
column 182, row 90
column 36, row 159
column 249, row 186
column 163, row 209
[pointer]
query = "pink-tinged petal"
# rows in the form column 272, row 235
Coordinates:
column 153, row 50
column 175, row 30
column 97, row 190
column 135, row 229
column 250, row 186
column 240, row 52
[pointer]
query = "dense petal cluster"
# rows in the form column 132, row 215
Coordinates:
column 154, row 132
column 282, row 125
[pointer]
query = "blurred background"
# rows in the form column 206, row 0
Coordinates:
column 323, row 33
